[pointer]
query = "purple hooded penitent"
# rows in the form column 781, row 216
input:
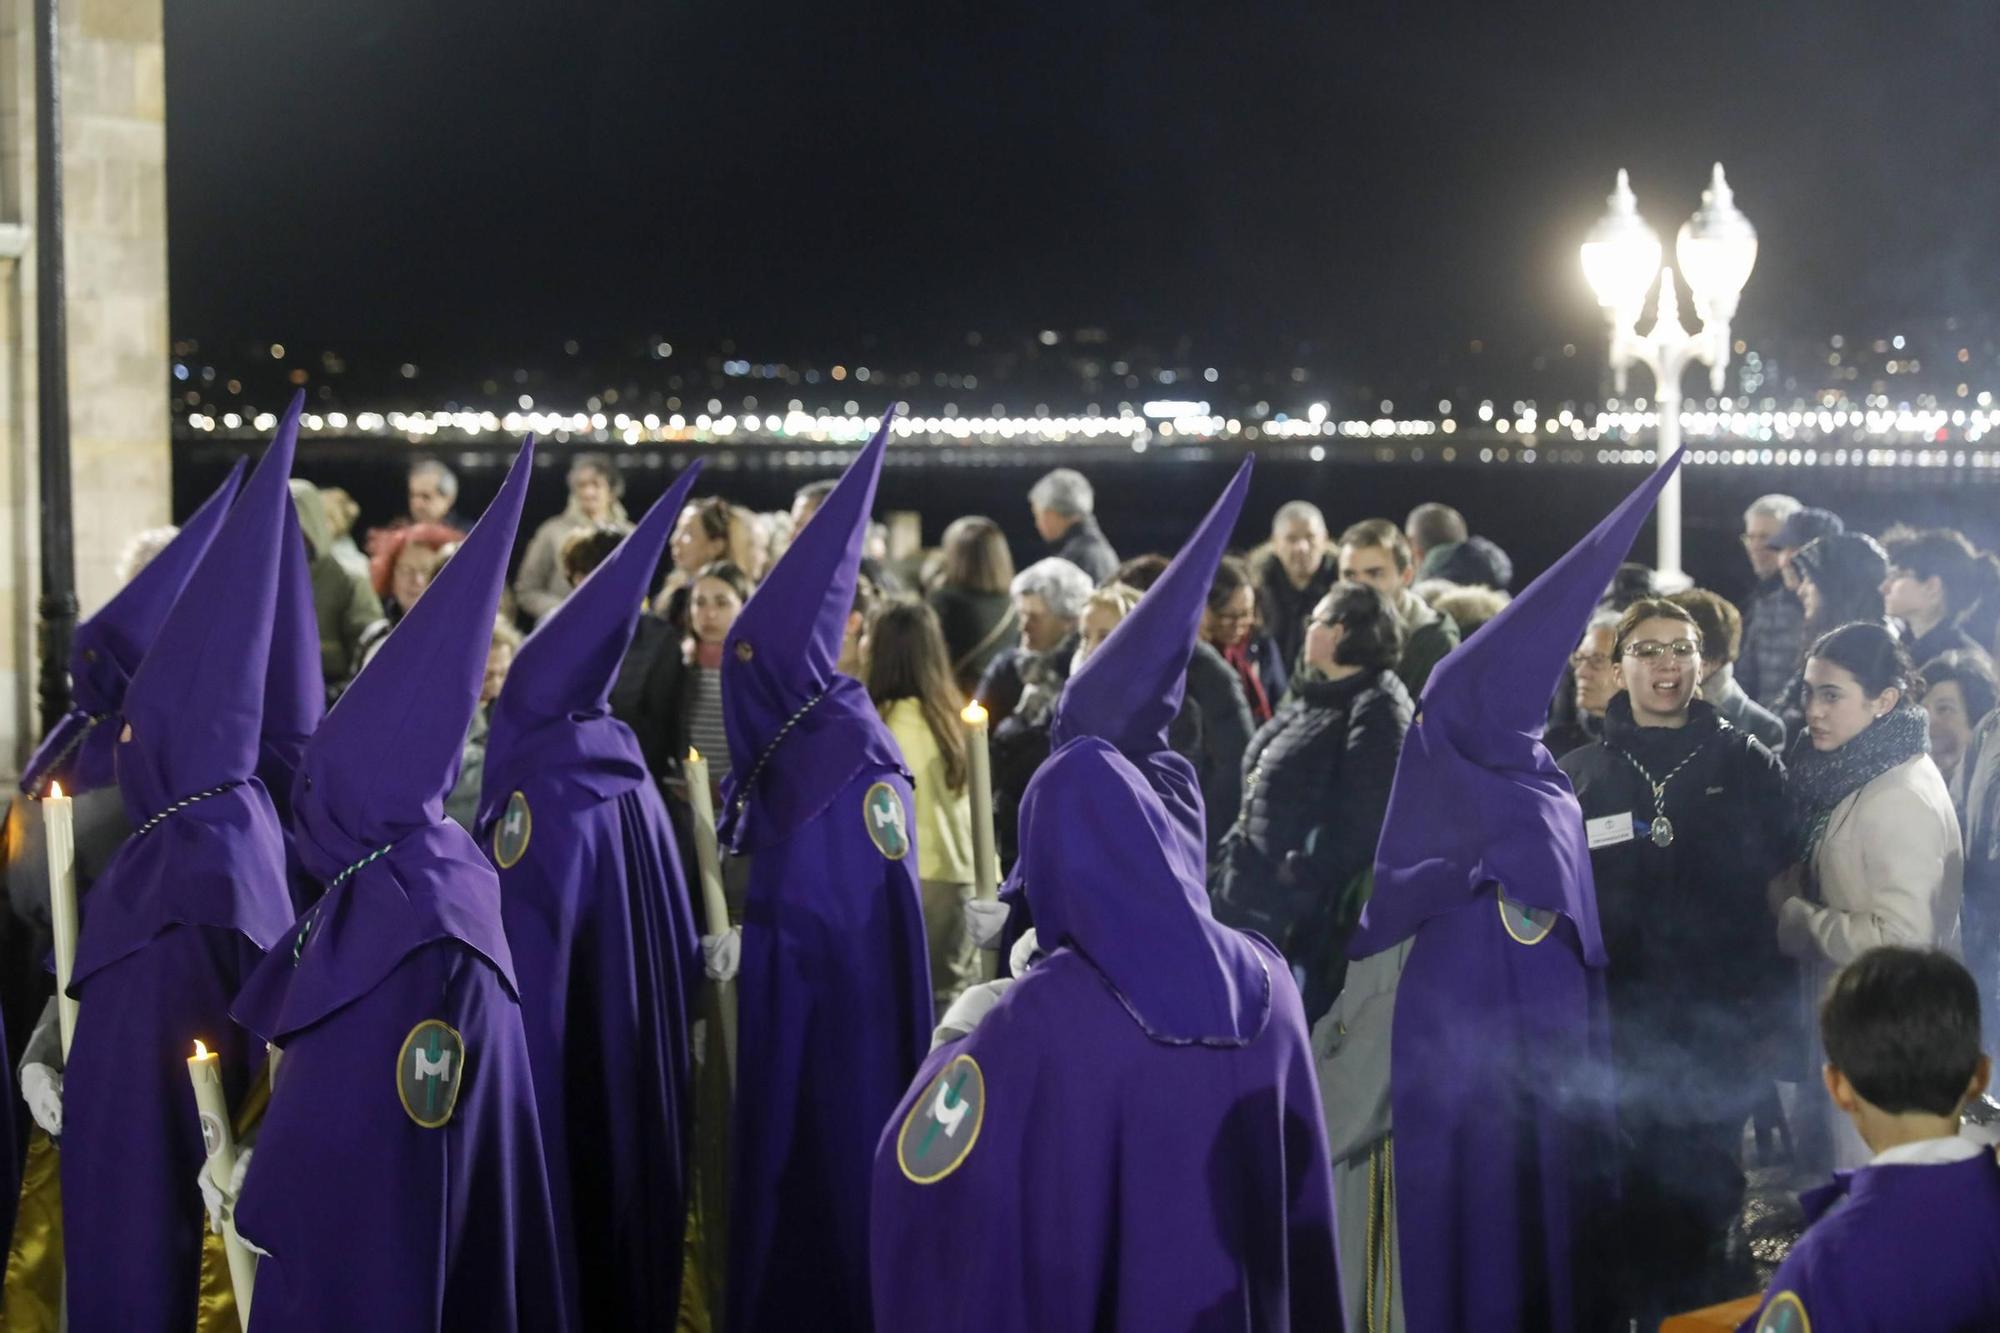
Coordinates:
column 294, row 694
column 177, row 920
column 834, row 996
column 1131, row 1139
column 108, row 647
column 1499, row 1075
column 605, row 953
column 398, row 1182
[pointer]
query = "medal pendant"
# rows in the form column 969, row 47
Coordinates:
column 1663, row 832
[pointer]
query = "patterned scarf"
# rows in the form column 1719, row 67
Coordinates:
column 1818, row 780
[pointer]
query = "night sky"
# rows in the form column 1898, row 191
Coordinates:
column 1377, row 182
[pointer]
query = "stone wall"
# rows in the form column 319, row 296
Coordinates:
column 114, row 179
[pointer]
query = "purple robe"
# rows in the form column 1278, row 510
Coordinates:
column 1503, row 1177
column 1906, row 1248
column 397, row 1181
column 1132, row 1138
column 834, row 995
column 178, row 918
column 109, row 644
column 603, row 938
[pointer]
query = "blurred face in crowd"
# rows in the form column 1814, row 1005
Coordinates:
column 1299, row 543
column 712, row 610
column 416, row 566
column 1376, row 567
column 1098, row 622
column 1807, row 590
column 1596, row 681
column 1659, row 667
column 803, row 508
column 499, row 658
column 1911, row 598
column 1951, row 728
column 592, row 490
column 1051, row 524
column 1041, row 628
column 1758, row 532
column 1837, row 707
column 428, row 504
column 1323, row 637
column 692, row 547
column 1232, row 624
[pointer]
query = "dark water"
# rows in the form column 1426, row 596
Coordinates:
column 1150, row 501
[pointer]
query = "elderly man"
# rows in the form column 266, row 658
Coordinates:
column 1374, row 552
column 1294, row 575
column 434, row 494
column 1773, row 621
column 1062, row 502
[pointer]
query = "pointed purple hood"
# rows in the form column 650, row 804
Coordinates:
column 384, row 758
column 555, row 706
column 294, row 686
column 195, row 709
column 1112, row 852
column 1477, row 796
column 779, row 677
column 109, row 645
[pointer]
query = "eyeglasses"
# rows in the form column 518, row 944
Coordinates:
column 1652, row 648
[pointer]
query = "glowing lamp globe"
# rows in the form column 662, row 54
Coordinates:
column 1621, row 254
column 1717, row 248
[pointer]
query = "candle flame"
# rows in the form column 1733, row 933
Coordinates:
column 55, row 790
column 200, row 1051
column 974, row 714
column 694, row 755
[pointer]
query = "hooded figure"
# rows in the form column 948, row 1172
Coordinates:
column 397, row 1182
column 109, row 645
column 294, row 694
column 190, row 903
column 605, row 952
column 1131, row 1139
column 835, row 994
column 1480, row 986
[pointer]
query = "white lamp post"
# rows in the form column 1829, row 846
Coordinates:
column 1717, row 248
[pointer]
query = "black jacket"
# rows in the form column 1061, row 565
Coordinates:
column 977, row 627
column 1695, row 981
column 1287, row 609
column 1226, row 725
column 1316, row 782
column 1085, row 547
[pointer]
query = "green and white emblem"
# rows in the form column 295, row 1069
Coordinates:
column 429, row 1070
column 882, row 815
column 942, row 1126
column 510, row 835
column 1528, row 925
column 1785, row 1314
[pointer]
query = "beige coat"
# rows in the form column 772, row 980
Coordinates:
column 1891, row 870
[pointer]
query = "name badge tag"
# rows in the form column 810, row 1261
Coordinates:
column 1608, row 831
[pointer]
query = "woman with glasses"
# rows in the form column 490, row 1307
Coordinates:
column 1687, row 824
column 1231, row 626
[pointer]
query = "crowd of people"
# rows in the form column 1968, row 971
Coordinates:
column 1792, row 798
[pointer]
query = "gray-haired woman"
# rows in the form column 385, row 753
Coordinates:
column 594, row 488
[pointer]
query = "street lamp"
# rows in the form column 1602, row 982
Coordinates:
column 1716, row 248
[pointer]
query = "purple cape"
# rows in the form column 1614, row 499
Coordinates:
column 605, row 952
column 1907, row 1247
column 834, row 996
column 1501, row 1167
column 176, row 921
column 1132, row 1138
column 398, row 1181
column 109, row 644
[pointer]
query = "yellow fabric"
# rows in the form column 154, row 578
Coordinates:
column 944, row 816
column 705, row 1249
column 32, row 1300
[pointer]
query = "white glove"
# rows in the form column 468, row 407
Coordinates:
column 972, row 1005
column 221, row 1203
column 1024, row 953
column 722, row 955
column 985, row 919
column 41, row 1089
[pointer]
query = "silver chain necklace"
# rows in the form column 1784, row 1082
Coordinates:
column 1662, row 828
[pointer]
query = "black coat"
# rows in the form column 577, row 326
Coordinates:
column 1695, row 981
column 1286, row 608
column 1216, row 693
column 1085, row 547
column 977, row 627
column 1316, row 782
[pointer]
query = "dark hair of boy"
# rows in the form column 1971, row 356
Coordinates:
column 1903, row 1026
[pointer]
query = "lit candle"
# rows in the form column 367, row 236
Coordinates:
column 218, row 1140
column 979, row 769
column 708, row 860
column 59, row 829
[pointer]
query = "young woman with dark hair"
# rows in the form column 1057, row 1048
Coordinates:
column 1232, row 625
column 1840, row 579
column 909, row 679
column 1879, row 845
